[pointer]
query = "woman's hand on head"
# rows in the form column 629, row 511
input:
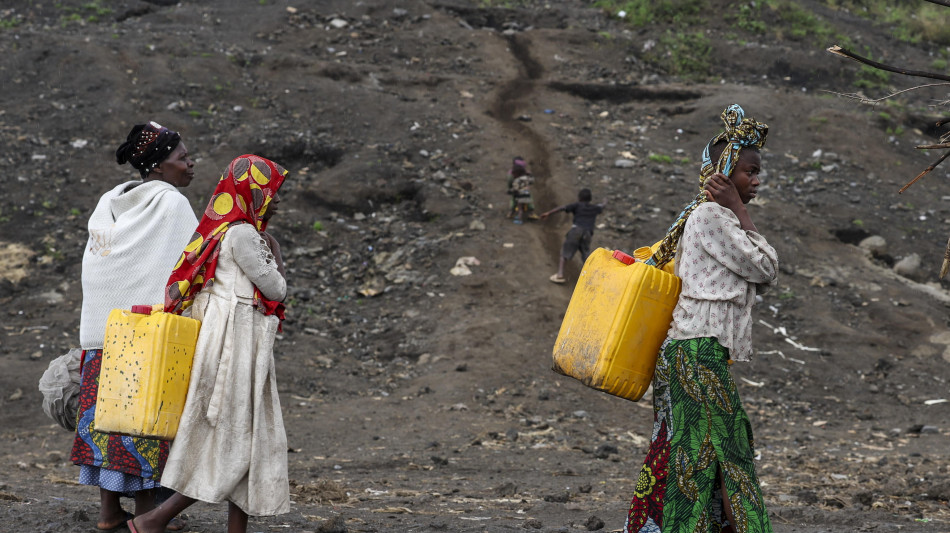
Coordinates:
column 721, row 190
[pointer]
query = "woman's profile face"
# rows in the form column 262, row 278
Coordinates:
column 178, row 168
column 271, row 207
column 745, row 175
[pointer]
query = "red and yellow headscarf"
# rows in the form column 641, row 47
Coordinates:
column 242, row 196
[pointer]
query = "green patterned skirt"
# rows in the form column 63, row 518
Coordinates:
column 700, row 432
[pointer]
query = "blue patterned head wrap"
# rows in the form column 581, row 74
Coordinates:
column 740, row 132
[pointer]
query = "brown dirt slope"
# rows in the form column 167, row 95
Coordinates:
column 416, row 400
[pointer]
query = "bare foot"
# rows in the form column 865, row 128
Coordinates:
column 113, row 522
column 177, row 524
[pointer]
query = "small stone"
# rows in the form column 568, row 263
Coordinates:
column 50, row 297
column 337, row 524
column 594, row 524
column 624, row 163
column 562, row 497
column 604, row 450
column 874, row 244
column 908, row 266
column 506, row 490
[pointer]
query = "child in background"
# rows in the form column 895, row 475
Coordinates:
column 578, row 238
column 521, row 197
column 519, row 183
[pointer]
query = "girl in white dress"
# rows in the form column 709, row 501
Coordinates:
column 231, row 445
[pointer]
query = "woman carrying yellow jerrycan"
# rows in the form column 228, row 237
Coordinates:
column 231, row 445
column 135, row 235
column 699, row 473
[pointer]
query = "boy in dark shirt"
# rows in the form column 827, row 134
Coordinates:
column 579, row 236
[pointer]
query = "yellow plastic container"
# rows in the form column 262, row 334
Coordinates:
column 146, row 367
column 615, row 323
column 645, row 252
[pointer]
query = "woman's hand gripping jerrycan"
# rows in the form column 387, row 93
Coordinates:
column 146, row 368
column 616, row 321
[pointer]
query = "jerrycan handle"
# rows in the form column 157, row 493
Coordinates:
column 623, row 258
column 146, row 309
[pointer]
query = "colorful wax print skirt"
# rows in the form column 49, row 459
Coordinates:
column 139, row 458
column 700, row 430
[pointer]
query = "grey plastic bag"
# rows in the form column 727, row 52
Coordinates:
column 60, row 388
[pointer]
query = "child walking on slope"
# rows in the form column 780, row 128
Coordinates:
column 578, row 238
column 519, row 188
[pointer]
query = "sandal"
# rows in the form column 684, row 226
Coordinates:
column 557, row 279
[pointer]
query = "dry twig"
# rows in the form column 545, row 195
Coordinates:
column 838, row 51
column 946, row 261
column 873, row 101
column 925, row 172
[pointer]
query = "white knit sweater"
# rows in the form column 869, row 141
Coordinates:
column 136, row 235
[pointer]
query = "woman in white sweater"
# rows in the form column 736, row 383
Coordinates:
column 699, row 473
column 231, row 445
column 135, row 236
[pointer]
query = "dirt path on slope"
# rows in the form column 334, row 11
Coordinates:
column 513, row 97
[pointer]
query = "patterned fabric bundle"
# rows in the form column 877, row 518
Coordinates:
column 245, row 190
column 147, row 146
column 700, row 430
column 740, row 133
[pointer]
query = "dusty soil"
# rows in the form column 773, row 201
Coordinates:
column 417, row 400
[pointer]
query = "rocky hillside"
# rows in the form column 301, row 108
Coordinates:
column 415, row 362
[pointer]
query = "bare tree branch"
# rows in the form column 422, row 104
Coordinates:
column 925, row 172
column 933, row 146
column 939, row 2
column 838, row 51
column 872, row 101
column 945, row 267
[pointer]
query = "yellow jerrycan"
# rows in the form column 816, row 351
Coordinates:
column 616, row 321
column 146, row 367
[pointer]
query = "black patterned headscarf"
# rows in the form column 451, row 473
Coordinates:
column 147, row 146
column 740, row 133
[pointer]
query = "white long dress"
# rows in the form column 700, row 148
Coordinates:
column 231, row 444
